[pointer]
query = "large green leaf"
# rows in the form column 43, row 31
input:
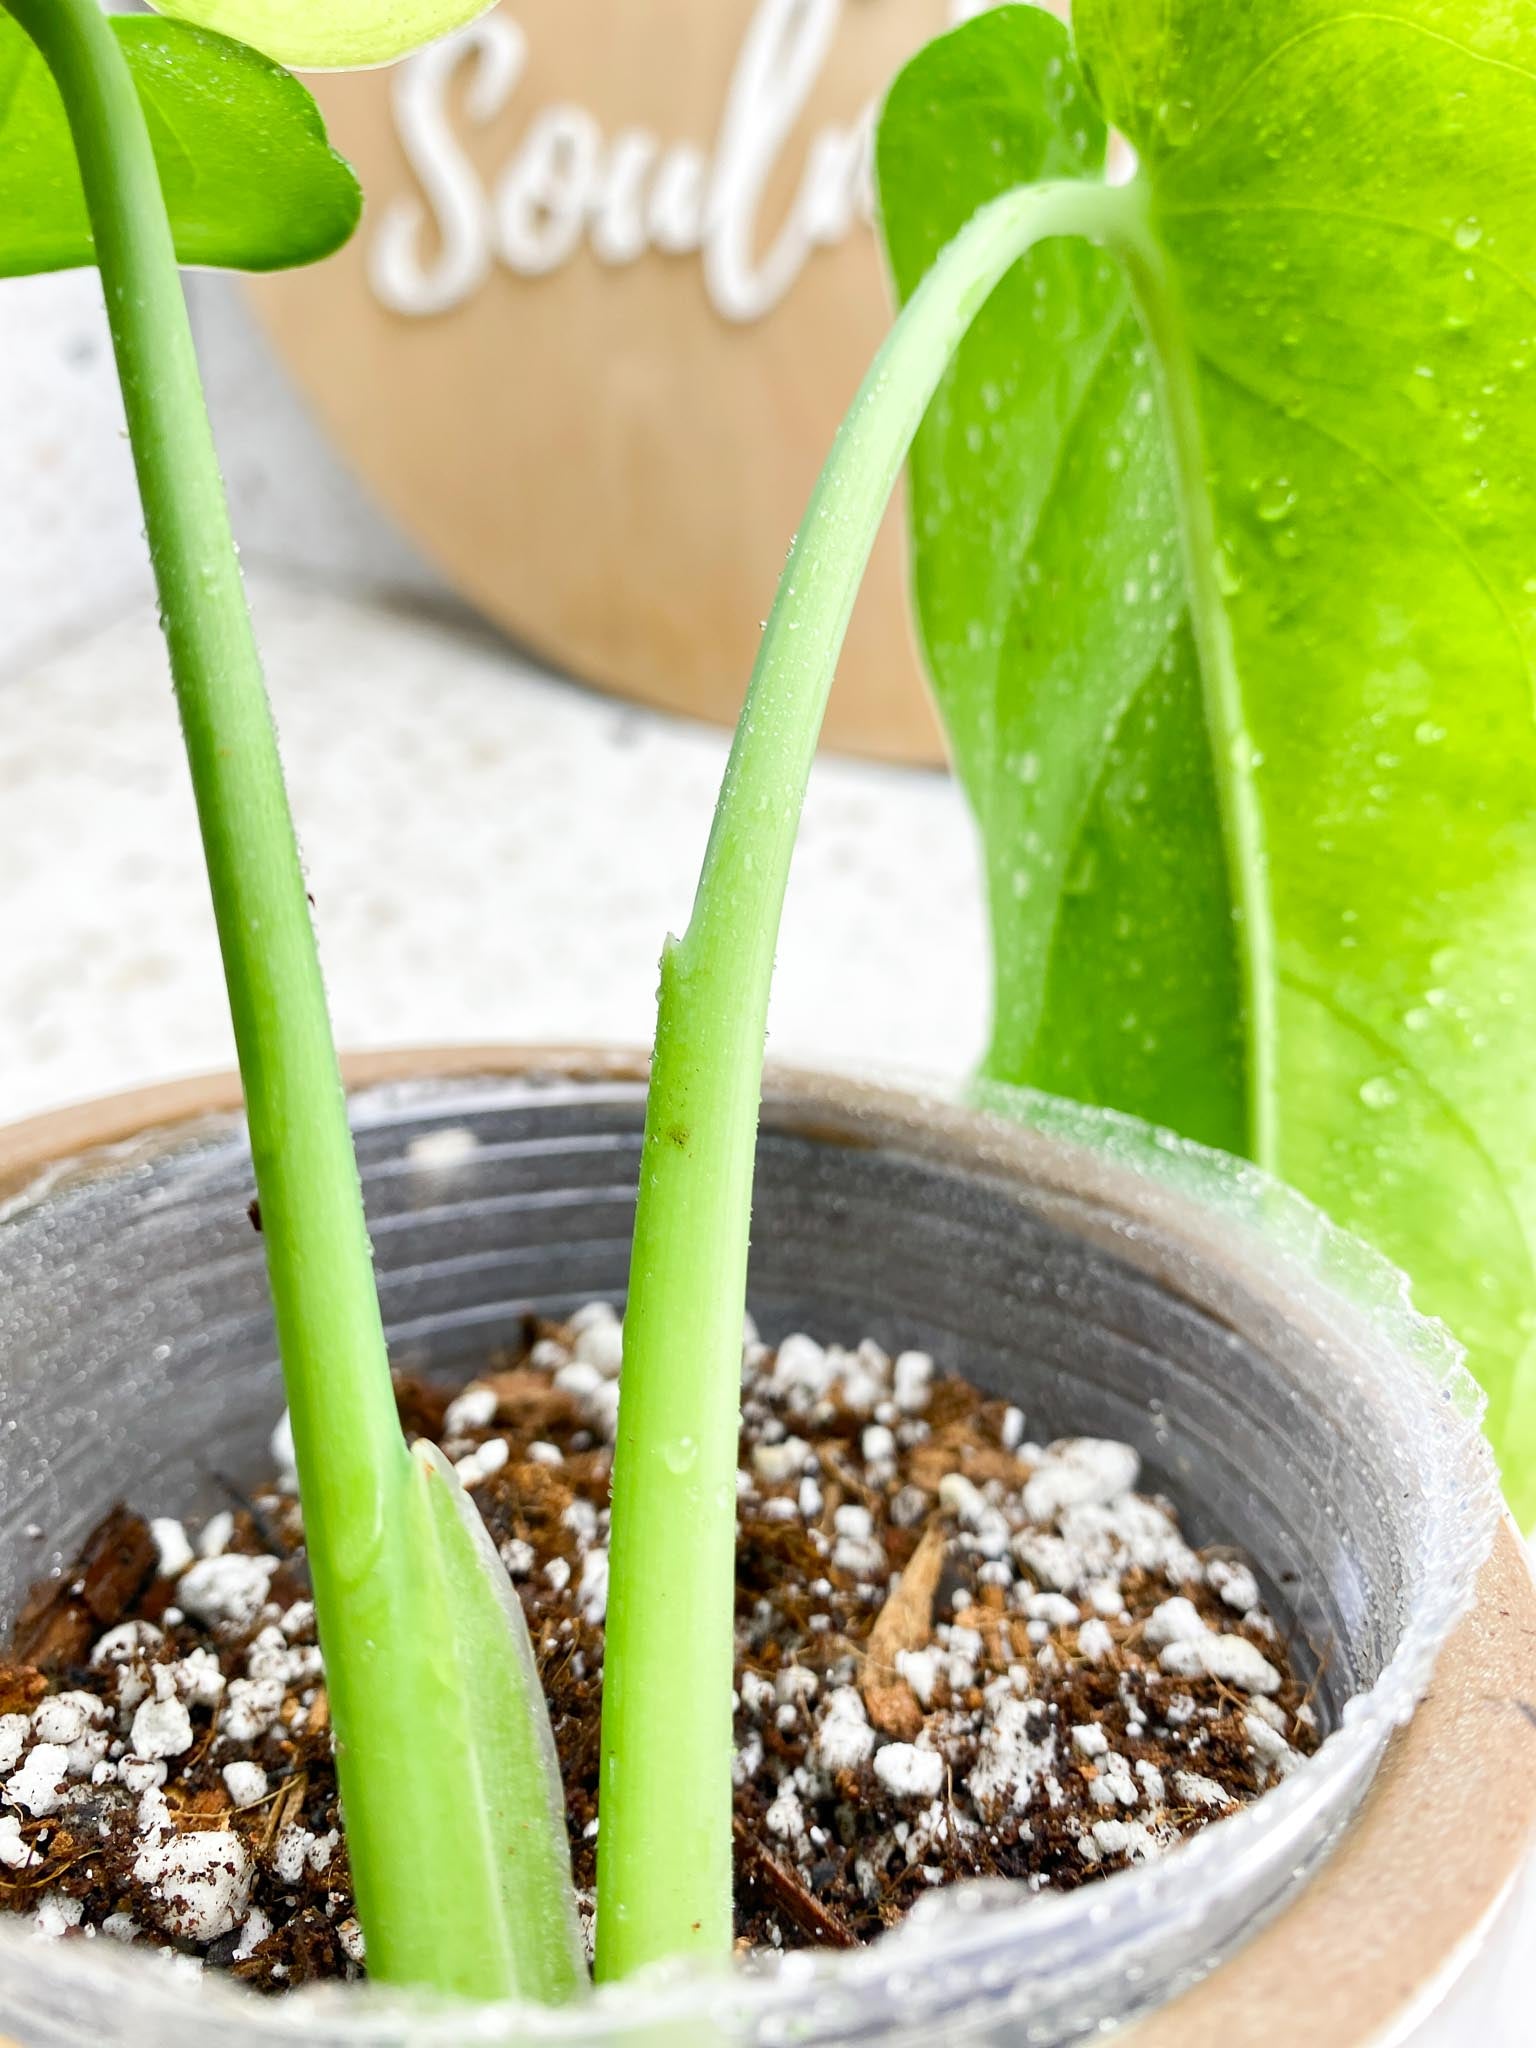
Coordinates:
column 250, row 181
column 1070, row 711
column 330, row 35
column 1233, row 631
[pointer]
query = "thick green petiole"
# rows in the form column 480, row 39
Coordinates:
column 456, row 1838
column 664, row 1852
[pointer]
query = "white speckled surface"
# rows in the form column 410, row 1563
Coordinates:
column 70, row 547
column 492, row 854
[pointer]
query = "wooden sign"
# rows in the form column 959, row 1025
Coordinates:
column 616, row 283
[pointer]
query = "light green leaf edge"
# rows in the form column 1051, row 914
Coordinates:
column 330, row 35
column 498, row 1749
column 1340, row 365
column 249, row 177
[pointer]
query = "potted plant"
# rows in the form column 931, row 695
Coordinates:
column 444, row 1751
column 1107, row 1282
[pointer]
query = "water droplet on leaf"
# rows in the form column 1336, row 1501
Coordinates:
column 1178, row 121
column 1275, row 499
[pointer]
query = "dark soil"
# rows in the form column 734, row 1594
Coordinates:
column 956, row 1657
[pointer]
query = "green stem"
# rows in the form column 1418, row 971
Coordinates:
column 664, row 1851
column 429, row 1914
column 1156, row 298
column 311, row 1208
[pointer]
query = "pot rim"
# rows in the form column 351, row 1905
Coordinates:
column 1356, row 1947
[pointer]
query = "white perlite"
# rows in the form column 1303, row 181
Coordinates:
column 38, row 1786
column 251, row 1706
column 246, row 1783
column 783, row 1460
column 1095, row 1642
column 297, row 1849
column 1176, row 1621
column 230, row 1589
column 909, row 1771
column 878, row 1445
column 75, row 1721
column 599, row 1337
column 170, row 1539
column 284, row 1457
column 1122, row 1838
column 1058, row 1541
column 57, row 1914
column 253, row 1934
column 911, row 1381
column 478, row 1465
column 140, row 1774
column 920, row 1668
column 593, row 1591
column 214, row 1537
column 844, row 1738
column 785, row 1818
column 1079, row 1471
column 1012, row 1761
column 1275, row 1754
column 14, row 1729
column 15, row 1854
column 161, row 1728
column 1195, row 1790
column 1113, row 1785
column 125, row 1644
column 1233, row 1659
column 198, row 1679
column 199, row 1883
column 1234, row 1583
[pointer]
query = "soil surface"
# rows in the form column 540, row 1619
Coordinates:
column 958, row 1653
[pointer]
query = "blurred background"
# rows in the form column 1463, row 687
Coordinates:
column 497, row 843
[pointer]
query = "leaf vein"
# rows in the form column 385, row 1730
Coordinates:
column 1094, row 789
column 1240, row 208
column 1382, row 16
column 1009, row 576
column 1404, row 490
column 1343, row 1013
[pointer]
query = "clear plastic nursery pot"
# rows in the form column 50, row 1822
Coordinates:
column 1270, row 1371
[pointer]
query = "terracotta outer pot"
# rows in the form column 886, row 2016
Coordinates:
column 1449, row 1819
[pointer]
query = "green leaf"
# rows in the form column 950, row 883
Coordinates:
column 455, row 1811
column 1227, row 581
column 330, row 35
column 250, row 181
column 1066, row 710
column 502, row 1874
